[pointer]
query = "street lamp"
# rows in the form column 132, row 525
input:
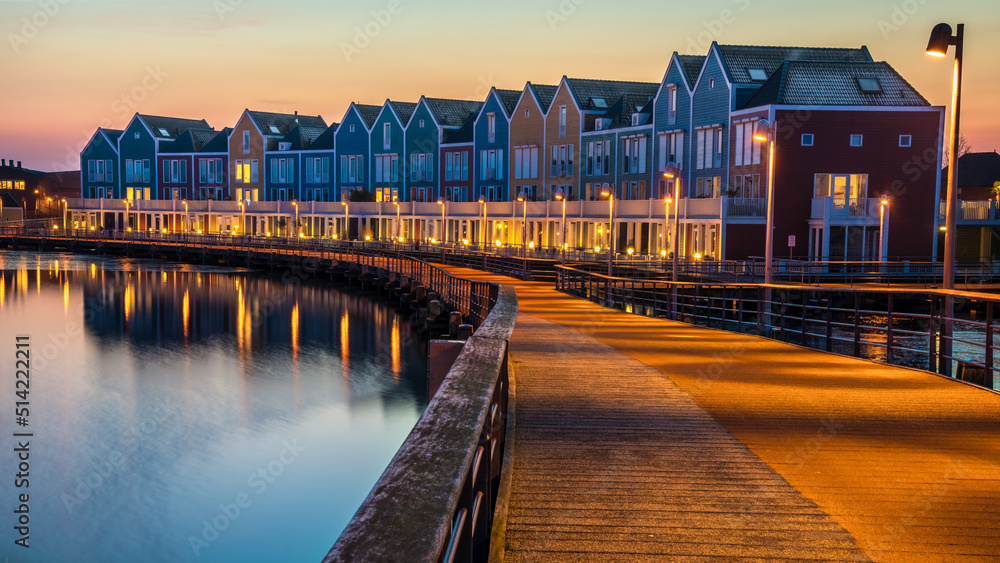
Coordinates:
column 398, row 225
column 937, row 46
column 561, row 196
column 485, row 237
column 764, row 132
column 48, row 206
column 187, row 218
column 65, row 206
column 296, row 204
column 347, row 230
column 443, row 227
column 673, row 171
column 127, row 218
column 523, row 198
column 883, row 210
column 608, row 191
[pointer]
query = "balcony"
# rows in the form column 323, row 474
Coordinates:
column 844, row 211
column 746, row 207
column 975, row 212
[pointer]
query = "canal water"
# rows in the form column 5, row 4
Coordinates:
column 190, row 413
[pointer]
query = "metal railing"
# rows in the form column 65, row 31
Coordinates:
column 895, row 326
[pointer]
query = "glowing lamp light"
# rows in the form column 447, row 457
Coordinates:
column 663, row 253
column 531, row 244
column 630, row 251
column 939, row 41
column 697, row 255
column 303, row 235
column 434, row 241
column 129, row 229
column 368, row 237
column 55, row 227
column 400, row 239
column 267, row 233
column 465, row 241
column 597, row 248
column 199, row 231
column 498, row 243
column 92, row 228
column 334, row 236
column 164, row 231
column 943, row 228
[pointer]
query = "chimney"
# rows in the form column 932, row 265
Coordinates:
column 3, row 162
column 296, row 112
column 19, row 164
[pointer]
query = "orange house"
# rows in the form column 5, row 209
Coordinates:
column 527, row 141
column 255, row 133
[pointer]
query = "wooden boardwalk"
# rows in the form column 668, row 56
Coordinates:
column 640, row 439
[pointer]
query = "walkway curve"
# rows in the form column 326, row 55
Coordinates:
column 617, row 455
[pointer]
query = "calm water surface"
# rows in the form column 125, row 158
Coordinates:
column 185, row 413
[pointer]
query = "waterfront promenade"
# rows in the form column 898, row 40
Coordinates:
column 644, row 439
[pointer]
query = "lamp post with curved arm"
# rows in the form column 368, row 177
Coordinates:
column 608, row 191
column 561, row 196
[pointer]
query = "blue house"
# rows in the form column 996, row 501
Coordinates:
column 491, row 152
column 138, row 146
column 672, row 119
column 284, row 164
column 352, row 141
column 432, row 118
column 98, row 162
column 387, row 169
column 318, row 159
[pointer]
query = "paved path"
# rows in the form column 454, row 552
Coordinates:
column 643, row 439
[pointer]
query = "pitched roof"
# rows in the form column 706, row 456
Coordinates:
column 192, row 140
column 302, row 136
column 452, row 113
column 464, row 134
column 620, row 112
column 325, row 142
column 280, row 124
column 403, row 109
column 508, row 99
column 171, row 127
column 369, row 113
column 976, row 170
column 823, row 83
column 219, row 143
column 545, row 93
column 738, row 60
column 691, row 65
column 600, row 94
column 112, row 134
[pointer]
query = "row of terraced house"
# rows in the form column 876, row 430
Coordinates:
column 848, row 131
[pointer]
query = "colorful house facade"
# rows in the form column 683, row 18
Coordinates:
column 98, row 165
column 353, row 146
column 138, row 146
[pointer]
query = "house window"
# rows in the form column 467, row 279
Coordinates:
column 525, row 162
column 856, row 140
column 421, row 123
column 709, row 148
column 352, row 128
column 634, row 149
column 386, row 136
column 672, row 105
column 598, row 158
column 137, row 135
column 420, row 167
column 352, row 168
column 491, row 164
column 905, row 140
column 246, row 142
column 746, row 151
column 253, row 170
column 757, row 74
column 807, row 139
column 527, row 113
column 317, row 170
column 711, row 83
column 747, row 186
column 562, row 160
column 847, row 190
column 562, row 121
column 671, row 149
column 491, row 126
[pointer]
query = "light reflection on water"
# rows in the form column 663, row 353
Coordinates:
column 164, row 396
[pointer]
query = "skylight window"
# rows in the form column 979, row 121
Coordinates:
column 275, row 130
column 757, row 74
column 600, row 103
column 869, row 85
column 164, row 132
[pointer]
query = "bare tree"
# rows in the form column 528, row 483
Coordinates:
column 964, row 147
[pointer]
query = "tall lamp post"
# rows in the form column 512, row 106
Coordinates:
column 763, row 131
column 941, row 38
column 883, row 213
column 523, row 199
column 561, row 196
column 608, row 191
column 443, row 227
column 484, row 235
column 347, row 229
column 128, row 221
column 187, row 218
column 398, row 226
column 296, row 205
column 673, row 171
column 64, row 207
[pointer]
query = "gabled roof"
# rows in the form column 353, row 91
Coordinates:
column 192, row 140
column 326, row 141
column 822, row 83
column 368, row 113
column 599, row 95
column 545, row 94
column 508, row 99
column 169, row 128
column 620, row 112
column 302, row 136
column 404, row 110
column 280, row 124
column 219, row 143
column 691, row 65
column 112, row 135
column 976, row 170
column 452, row 113
column 738, row 60
column 464, row 134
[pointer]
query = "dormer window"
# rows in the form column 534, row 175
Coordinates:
column 284, row 146
column 869, row 85
column 635, row 119
column 598, row 124
column 757, row 74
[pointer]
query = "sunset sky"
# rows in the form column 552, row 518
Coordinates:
column 69, row 66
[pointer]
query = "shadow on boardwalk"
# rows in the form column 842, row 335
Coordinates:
column 643, row 439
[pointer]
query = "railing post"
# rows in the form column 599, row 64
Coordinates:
column 888, row 332
column 857, row 325
column 829, row 322
column 989, row 345
column 932, row 338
